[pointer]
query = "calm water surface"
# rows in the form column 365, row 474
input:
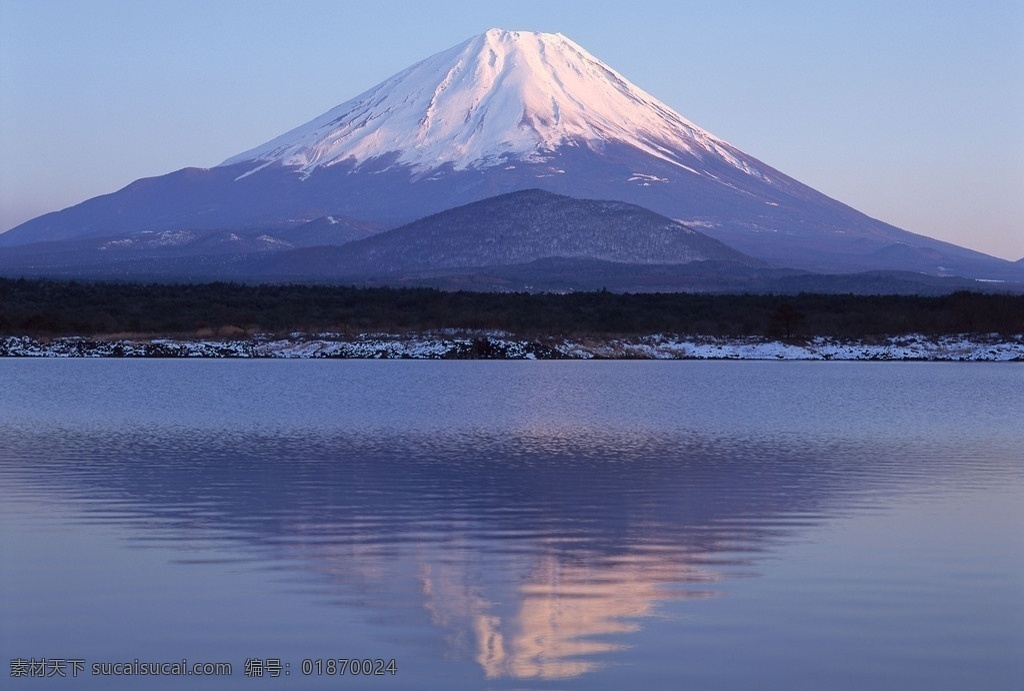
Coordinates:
column 591, row 525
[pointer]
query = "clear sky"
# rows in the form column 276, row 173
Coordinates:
column 911, row 111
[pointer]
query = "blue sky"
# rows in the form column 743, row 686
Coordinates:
column 912, row 112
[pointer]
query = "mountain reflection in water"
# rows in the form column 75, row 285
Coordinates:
column 531, row 519
column 535, row 554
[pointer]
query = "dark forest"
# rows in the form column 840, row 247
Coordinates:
column 53, row 308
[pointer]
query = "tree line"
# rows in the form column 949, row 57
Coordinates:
column 54, row 308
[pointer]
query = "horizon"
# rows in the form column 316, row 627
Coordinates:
column 879, row 126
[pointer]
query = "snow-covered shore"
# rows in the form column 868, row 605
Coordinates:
column 489, row 345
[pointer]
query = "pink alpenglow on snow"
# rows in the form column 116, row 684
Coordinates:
column 500, row 94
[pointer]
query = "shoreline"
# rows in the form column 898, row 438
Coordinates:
column 497, row 345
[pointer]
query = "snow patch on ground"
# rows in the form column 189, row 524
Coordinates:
column 499, row 345
column 913, row 347
column 645, row 179
column 695, row 223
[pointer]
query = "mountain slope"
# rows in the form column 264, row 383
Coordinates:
column 507, row 111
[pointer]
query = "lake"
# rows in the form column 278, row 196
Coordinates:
column 534, row 525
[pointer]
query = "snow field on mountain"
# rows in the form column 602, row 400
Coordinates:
column 500, row 94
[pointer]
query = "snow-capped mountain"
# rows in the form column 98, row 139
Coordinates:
column 501, row 112
column 500, row 96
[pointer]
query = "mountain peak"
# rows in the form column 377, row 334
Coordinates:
column 498, row 96
column 500, row 112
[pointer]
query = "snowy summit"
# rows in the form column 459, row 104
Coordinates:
column 499, row 95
